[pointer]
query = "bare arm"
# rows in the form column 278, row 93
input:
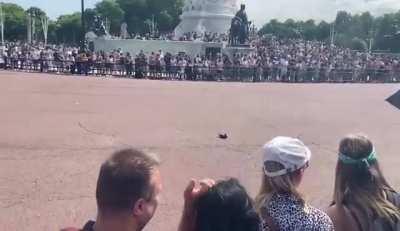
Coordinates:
column 188, row 218
column 192, row 193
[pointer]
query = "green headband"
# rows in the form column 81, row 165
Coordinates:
column 367, row 160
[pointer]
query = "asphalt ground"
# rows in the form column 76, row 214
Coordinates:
column 56, row 131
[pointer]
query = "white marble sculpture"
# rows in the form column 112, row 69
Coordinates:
column 206, row 16
column 124, row 31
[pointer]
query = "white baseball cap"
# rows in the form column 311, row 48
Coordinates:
column 292, row 153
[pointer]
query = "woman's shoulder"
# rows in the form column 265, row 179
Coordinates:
column 289, row 212
column 320, row 218
column 341, row 218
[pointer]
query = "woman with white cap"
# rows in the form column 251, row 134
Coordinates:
column 279, row 202
column 363, row 199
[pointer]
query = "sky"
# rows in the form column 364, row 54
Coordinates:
column 259, row 11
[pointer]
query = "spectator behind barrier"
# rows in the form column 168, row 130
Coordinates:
column 224, row 206
column 127, row 192
column 363, row 199
column 279, row 202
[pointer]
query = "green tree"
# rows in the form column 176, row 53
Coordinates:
column 367, row 24
column 342, row 21
column 358, row 44
column 37, row 14
column 52, row 33
column 14, row 22
column 309, row 30
column 352, row 31
column 135, row 14
column 111, row 10
column 165, row 21
column 68, row 29
column 322, row 31
column 386, row 36
column 165, row 12
column 282, row 30
column 90, row 15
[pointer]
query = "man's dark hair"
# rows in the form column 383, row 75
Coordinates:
column 227, row 207
column 124, row 178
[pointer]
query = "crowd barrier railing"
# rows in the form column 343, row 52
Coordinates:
column 202, row 73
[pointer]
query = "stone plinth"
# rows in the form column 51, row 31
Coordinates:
column 134, row 46
column 206, row 16
column 230, row 51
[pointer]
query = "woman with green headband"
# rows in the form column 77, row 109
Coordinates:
column 363, row 199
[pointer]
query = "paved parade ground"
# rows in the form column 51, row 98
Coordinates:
column 56, row 131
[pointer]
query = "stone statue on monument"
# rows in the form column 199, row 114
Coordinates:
column 240, row 28
column 206, row 16
column 99, row 27
column 242, row 14
column 124, row 31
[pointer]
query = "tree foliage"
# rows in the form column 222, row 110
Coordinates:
column 111, row 11
column 309, row 30
column 66, row 28
column 353, row 31
column 165, row 13
column 14, row 22
column 37, row 14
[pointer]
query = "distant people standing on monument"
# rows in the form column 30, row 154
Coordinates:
column 363, row 199
column 279, row 202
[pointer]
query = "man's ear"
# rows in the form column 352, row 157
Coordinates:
column 139, row 207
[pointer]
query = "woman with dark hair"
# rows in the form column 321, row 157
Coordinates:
column 363, row 199
column 224, row 206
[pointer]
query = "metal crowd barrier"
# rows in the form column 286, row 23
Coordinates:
column 200, row 73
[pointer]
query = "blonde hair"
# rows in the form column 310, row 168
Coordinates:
column 280, row 184
column 363, row 187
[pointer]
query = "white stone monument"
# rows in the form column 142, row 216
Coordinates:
column 206, row 16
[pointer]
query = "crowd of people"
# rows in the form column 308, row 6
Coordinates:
column 189, row 36
column 205, row 37
column 272, row 59
column 129, row 186
column 293, row 57
column 129, row 183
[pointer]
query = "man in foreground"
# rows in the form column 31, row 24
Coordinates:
column 128, row 190
column 127, row 193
